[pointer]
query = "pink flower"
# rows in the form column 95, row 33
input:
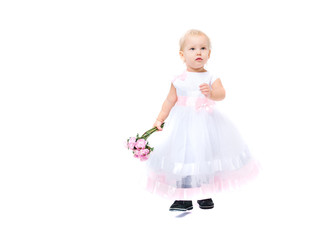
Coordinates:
column 131, row 143
column 132, row 140
column 140, row 144
column 144, row 154
column 144, row 158
column 131, row 146
column 137, row 154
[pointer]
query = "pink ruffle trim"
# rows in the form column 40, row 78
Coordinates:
column 223, row 181
column 198, row 103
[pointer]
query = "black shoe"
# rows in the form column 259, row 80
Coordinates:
column 181, row 206
column 206, row 203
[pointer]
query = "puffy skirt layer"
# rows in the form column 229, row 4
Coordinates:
column 197, row 154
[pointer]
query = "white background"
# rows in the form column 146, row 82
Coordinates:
column 80, row 77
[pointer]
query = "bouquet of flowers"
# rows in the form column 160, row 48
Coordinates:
column 140, row 146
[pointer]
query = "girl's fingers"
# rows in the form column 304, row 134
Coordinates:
column 204, row 87
column 157, row 124
column 205, row 90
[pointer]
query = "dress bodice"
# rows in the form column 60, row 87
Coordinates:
column 187, row 84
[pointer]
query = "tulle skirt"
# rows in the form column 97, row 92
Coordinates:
column 197, row 154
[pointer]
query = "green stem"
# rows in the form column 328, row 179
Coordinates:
column 149, row 132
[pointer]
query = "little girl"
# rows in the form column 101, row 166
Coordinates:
column 201, row 152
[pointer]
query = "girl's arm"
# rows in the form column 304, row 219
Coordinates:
column 216, row 92
column 166, row 107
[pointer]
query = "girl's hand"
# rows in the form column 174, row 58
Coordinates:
column 205, row 89
column 158, row 125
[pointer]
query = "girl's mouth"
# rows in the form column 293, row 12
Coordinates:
column 198, row 59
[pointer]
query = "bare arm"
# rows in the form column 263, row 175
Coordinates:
column 216, row 92
column 167, row 105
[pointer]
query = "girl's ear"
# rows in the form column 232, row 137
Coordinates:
column 181, row 54
column 209, row 53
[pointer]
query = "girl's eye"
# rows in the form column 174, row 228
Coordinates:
column 203, row 48
column 192, row 48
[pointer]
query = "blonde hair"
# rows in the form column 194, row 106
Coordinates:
column 192, row 32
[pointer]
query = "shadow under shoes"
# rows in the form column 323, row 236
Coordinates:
column 181, row 206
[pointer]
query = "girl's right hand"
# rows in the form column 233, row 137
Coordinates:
column 158, row 125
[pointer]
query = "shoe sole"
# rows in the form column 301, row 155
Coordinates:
column 206, row 207
column 181, row 209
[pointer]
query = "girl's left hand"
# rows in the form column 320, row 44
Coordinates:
column 205, row 89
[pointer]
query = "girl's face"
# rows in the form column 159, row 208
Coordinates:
column 195, row 53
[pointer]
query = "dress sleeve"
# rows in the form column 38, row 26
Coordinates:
column 213, row 78
column 179, row 77
column 173, row 79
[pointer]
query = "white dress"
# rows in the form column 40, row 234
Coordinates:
column 200, row 151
